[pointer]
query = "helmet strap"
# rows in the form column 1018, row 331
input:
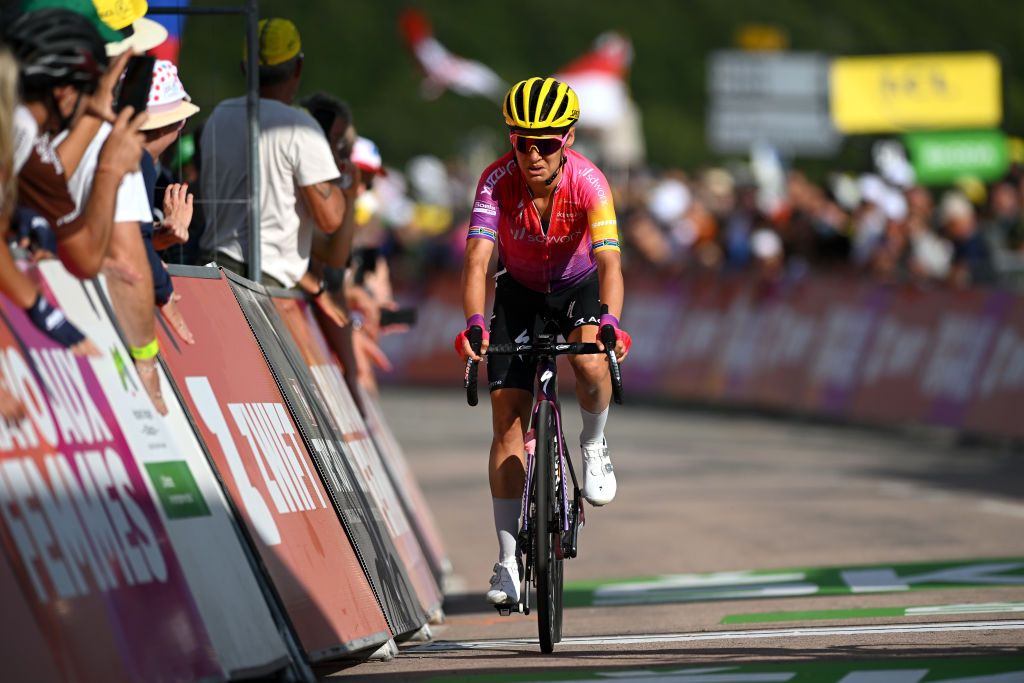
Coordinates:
column 547, row 183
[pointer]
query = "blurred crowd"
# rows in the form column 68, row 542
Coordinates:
column 86, row 179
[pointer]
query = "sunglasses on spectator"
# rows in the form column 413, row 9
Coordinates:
column 545, row 144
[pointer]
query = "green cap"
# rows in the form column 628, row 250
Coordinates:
column 83, row 7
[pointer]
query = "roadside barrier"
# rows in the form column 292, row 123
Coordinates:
column 257, row 527
column 92, row 580
column 243, row 419
column 820, row 345
column 331, row 392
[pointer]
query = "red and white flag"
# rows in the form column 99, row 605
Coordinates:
column 441, row 69
column 599, row 79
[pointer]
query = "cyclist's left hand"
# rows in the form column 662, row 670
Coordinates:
column 622, row 339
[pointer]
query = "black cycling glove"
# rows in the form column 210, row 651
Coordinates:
column 52, row 322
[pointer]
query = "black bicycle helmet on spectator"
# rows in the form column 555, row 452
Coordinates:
column 56, row 47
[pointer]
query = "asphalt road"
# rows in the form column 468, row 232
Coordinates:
column 739, row 548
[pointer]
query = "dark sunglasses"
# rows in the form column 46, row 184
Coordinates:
column 546, row 145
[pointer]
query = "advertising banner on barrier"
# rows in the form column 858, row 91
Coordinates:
column 789, row 333
column 966, row 331
column 360, row 447
column 25, row 650
column 417, row 509
column 242, row 418
column 846, row 324
column 86, row 542
column 999, row 391
column 359, row 514
column 200, row 527
column 815, row 345
column 896, row 356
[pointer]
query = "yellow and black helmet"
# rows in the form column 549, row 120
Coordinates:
column 540, row 103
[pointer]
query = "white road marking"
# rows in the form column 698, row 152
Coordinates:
column 938, row 627
column 999, row 507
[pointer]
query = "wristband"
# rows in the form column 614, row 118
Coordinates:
column 609, row 319
column 476, row 319
column 145, row 352
column 52, row 322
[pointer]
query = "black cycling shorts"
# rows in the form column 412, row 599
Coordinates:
column 519, row 315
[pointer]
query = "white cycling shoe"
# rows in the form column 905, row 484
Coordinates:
column 504, row 585
column 598, row 474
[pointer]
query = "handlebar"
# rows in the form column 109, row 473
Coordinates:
column 476, row 337
column 556, row 349
column 608, row 339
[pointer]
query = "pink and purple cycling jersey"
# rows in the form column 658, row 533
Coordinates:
column 582, row 223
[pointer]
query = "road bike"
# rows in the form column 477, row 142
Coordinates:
column 551, row 517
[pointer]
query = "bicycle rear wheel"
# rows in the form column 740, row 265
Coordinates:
column 548, row 531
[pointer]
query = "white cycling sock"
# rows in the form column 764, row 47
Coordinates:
column 593, row 427
column 506, row 523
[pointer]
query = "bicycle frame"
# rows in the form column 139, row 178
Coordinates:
column 547, row 381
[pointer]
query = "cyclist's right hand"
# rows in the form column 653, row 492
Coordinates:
column 462, row 345
column 122, row 150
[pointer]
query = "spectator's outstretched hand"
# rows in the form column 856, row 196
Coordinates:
column 177, row 217
column 325, row 302
column 86, row 348
column 173, row 315
column 122, row 151
column 101, row 103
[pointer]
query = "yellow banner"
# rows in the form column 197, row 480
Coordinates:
column 906, row 92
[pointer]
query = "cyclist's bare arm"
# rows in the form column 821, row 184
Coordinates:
column 474, row 282
column 609, row 273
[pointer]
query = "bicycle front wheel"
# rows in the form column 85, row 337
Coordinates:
column 548, row 530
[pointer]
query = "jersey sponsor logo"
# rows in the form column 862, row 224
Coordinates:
column 484, row 207
column 595, row 183
column 585, row 321
column 523, row 337
column 492, row 180
column 521, row 235
column 567, row 215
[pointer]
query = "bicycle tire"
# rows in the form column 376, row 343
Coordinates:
column 548, row 564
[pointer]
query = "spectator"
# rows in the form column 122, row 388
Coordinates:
column 169, row 107
column 62, row 60
column 930, row 255
column 131, row 282
column 972, row 260
column 296, row 165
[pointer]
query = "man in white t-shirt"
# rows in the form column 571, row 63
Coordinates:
column 296, row 166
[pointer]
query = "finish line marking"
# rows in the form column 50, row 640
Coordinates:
column 938, row 627
column 871, row 612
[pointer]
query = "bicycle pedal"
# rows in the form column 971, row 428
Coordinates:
column 507, row 610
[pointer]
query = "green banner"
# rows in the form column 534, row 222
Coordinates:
column 891, row 670
column 179, row 495
column 943, row 157
column 789, row 583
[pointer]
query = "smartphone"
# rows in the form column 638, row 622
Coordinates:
column 135, row 84
column 403, row 316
